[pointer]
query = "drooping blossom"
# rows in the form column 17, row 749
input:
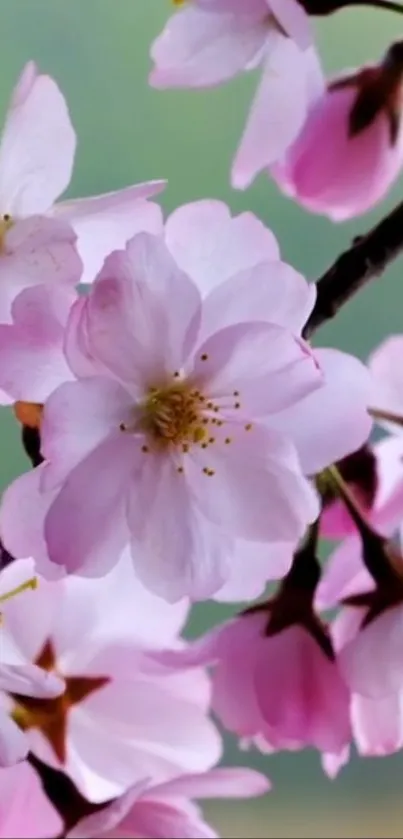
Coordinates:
column 350, row 149
column 280, row 690
column 25, row 810
column 121, row 717
column 36, row 161
column 156, row 812
column 208, row 42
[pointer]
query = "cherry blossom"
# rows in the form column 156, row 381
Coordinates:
column 156, row 812
column 350, row 149
column 120, row 717
column 207, row 43
column 261, row 689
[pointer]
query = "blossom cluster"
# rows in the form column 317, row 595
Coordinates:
column 188, row 443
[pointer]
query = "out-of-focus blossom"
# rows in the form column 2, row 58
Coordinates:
column 25, row 810
column 350, row 149
column 261, row 689
column 121, row 717
column 208, row 42
column 157, row 812
column 19, row 674
column 36, row 161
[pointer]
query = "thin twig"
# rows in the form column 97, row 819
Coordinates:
column 367, row 258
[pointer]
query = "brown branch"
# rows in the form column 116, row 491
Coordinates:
column 367, row 258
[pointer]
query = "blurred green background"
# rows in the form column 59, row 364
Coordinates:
column 98, row 52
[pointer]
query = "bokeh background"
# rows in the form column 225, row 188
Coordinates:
column 98, row 52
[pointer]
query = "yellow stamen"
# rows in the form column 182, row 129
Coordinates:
column 29, row 584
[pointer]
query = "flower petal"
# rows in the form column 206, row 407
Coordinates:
column 77, row 418
column 90, row 505
column 176, row 552
column 211, row 246
column 37, row 147
column 257, row 491
column 32, row 361
column 269, row 291
column 132, row 326
column 333, row 420
column 105, row 223
column 198, row 49
column 278, row 110
column 255, row 369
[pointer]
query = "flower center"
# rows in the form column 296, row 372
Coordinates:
column 50, row 716
column 173, row 414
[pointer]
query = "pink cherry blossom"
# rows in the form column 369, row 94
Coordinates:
column 210, row 41
column 350, row 149
column 122, row 716
column 172, row 468
column 36, row 161
column 25, row 811
column 281, row 691
column 377, row 724
column 156, row 812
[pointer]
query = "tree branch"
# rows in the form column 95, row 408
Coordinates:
column 367, row 258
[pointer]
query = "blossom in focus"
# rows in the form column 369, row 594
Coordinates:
column 350, row 149
column 156, row 812
column 176, row 416
column 236, row 271
column 36, row 161
column 25, row 810
column 208, row 42
column 121, row 717
column 260, row 686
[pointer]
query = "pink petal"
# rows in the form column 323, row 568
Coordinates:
column 102, row 822
column 25, row 810
column 371, row 663
column 80, row 359
column 344, row 574
column 333, row 763
column 217, row 783
column 37, row 147
column 198, row 49
column 378, row 724
column 333, row 420
column 269, row 291
column 132, row 327
column 32, row 361
column 13, row 742
column 77, row 418
column 211, row 246
column 105, row 223
column 309, row 702
column 175, row 551
column 90, row 504
column 265, row 364
column 38, row 251
column 264, row 562
column 256, row 491
column 22, row 514
column 294, row 20
column 278, row 110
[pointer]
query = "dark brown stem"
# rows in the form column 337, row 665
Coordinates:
column 367, row 258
